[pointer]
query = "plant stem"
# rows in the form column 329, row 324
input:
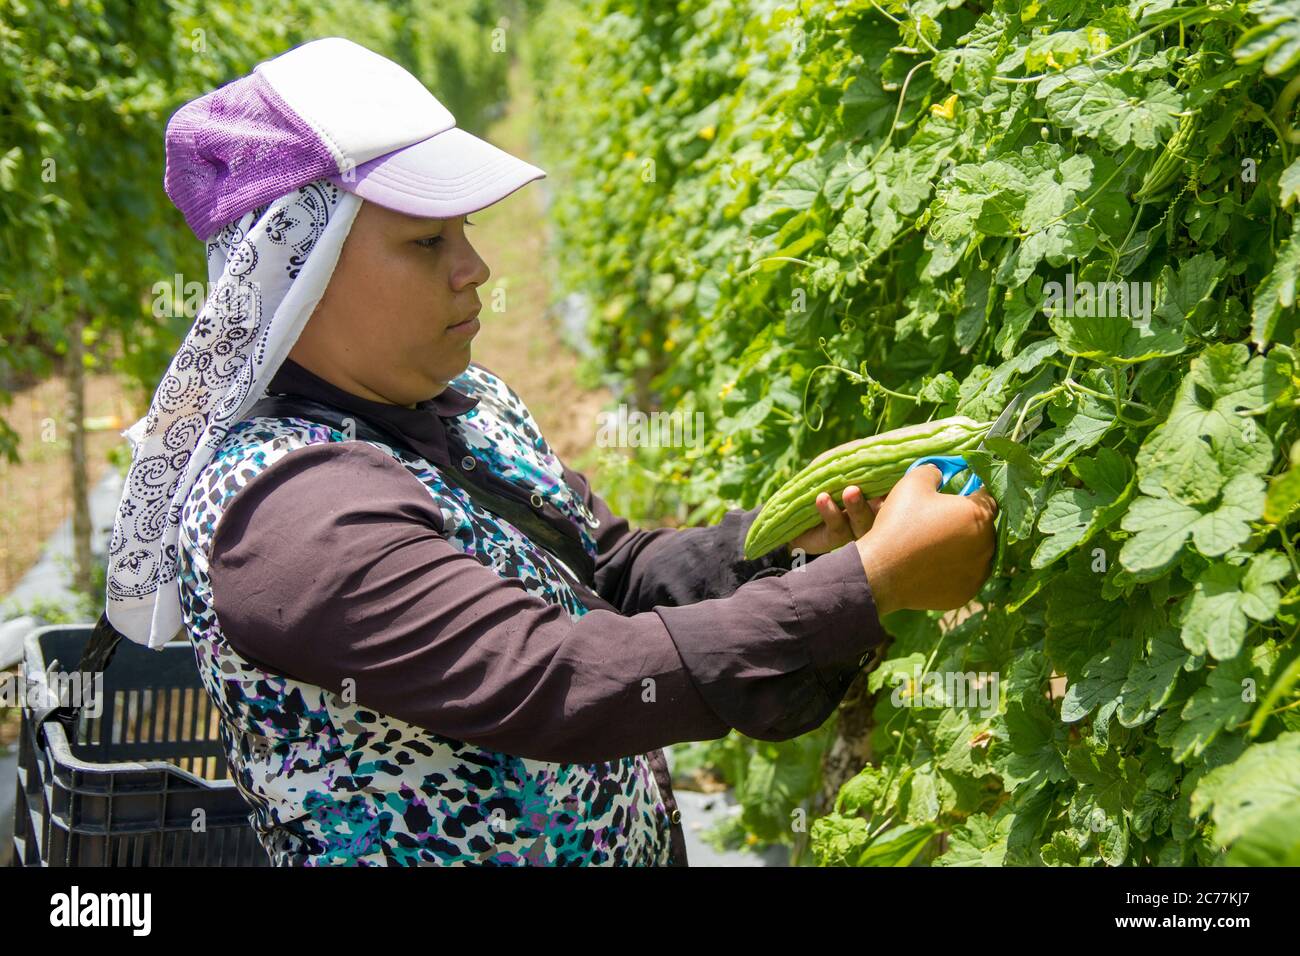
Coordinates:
column 1076, row 387
column 889, row 135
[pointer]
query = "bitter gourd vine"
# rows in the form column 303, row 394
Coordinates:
column 952, row 202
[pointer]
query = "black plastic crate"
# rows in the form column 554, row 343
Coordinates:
column 123, row 790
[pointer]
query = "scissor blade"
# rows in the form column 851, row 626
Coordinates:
column 1028, row 427
column 1005, row 421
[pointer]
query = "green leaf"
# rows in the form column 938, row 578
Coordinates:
column 9, row 162
column 941, row 389
column 894, row 671
column 980, row 841
column 1103, row 677
column 985, row 397
column 1277, row 290
column 844, row 173
column 974, row 311
column 1243, row 794
column 1073, row 515
column 1106, row 792
column 1186, row 287
column 1151, row 813
column 1063, row 48
column 1163, row 525
column 919, row 797
column 953, row 736
column 861, row 792
column 1029, row 747
column 1276, row 39
column 1063, row 849
column 1017, row 313
column 1107, row 773
column 779, row 777
column 838, row 840
column 1284, row 490
column 847, row 841
column 1086, row 422
column 898, row 846
column 796, row 193
column 1273, row 839
column 1112, row 322
column 1054, row 191
column 1282, row 686
column 865, row 106
column 1115, row 109
column 1288, row 184
column 1080, row 623
column 1226, row 598
column 986, row 197
column 1150, row 681
column 1205, row 441
column 1220, row 703
column 1015, row 482
column 1057, row 243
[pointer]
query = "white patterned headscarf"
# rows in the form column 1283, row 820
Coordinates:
column 267, row 271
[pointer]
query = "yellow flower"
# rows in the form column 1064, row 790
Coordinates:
column 646, row 89
column 751, row 838
column 629, row 155
column 726, row 447
column 726, row 390
column 707, row 132
column 946, row 108
column 669, row 345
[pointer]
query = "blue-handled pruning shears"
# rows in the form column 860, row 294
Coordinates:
column 950, row 465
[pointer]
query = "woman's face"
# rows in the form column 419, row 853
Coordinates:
column 397, row 318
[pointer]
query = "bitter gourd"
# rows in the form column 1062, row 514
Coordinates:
column 873, row 464
column 1175, row 160
column 1170, row 164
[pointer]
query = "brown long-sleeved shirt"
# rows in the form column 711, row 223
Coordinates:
column 332, row 565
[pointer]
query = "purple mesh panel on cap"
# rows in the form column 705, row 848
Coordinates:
column 235, row 148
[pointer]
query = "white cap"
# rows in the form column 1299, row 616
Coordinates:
column 330, row 109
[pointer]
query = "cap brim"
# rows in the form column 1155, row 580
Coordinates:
column 451, row 174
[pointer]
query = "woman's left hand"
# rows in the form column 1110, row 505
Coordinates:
column 839, row 527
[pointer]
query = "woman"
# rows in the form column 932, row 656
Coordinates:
column 428, row 641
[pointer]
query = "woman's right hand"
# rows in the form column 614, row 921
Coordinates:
column 927, row 550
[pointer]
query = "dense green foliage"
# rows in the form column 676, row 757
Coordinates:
column 86, row 89
column 815, row 221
